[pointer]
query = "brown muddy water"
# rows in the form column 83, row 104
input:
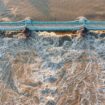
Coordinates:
column 52, row 9
column 47, row 69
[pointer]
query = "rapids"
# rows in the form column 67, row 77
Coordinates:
column 50, row 70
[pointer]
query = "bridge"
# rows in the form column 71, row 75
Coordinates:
column 52, row 25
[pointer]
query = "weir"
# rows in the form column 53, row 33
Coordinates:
column 52, row 70
column 52, row 25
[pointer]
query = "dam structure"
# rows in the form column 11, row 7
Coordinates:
column 52, row 25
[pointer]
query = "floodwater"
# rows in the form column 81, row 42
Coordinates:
column 52, row 9
column 52, row 70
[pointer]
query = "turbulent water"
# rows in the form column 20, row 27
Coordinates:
column 50, row 70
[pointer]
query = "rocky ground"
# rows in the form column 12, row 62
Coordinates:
column 52, row 69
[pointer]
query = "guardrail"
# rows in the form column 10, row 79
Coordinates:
column 52, row 25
